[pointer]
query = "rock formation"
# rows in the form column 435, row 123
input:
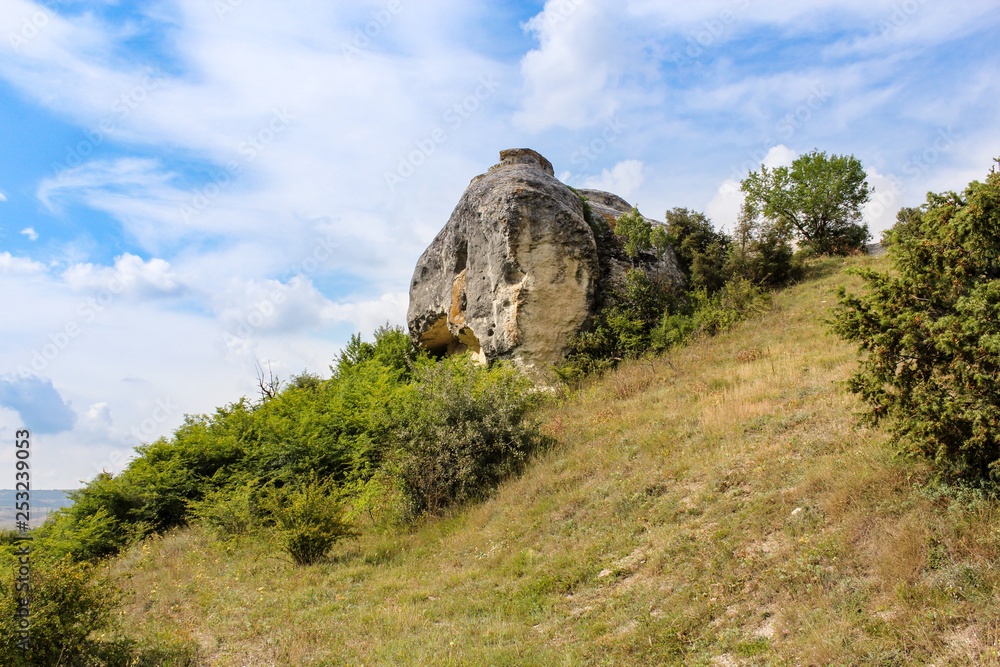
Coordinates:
column 518, row 270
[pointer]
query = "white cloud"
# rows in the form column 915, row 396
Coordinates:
column 129, row 275
column 779, row 156
column 571, row 78
column 624, row 179
column 11, row 265
column 888, row 196
column 3, row 197
column 268, row 307
column 30, row 233
column 724, row 207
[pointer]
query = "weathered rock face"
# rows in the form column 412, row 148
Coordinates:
column 517, row 272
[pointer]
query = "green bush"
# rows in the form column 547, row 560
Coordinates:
column 930, row 333
column 701, row 251
column 762, row 252
column 462, row 428
column 69, row 603
column 310, row 518
column 624, row 329
column 231, row 511
column 707, row 314
column 635, row 232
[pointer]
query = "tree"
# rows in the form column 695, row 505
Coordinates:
column 636, row 231
column 761, row 252
column 931, row 333
column 820, row 198
column 701, row 251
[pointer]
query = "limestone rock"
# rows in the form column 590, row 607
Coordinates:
column 517, row 271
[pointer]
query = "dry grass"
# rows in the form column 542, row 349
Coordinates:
column 719, row 506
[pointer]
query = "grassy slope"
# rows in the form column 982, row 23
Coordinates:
column 718, row 506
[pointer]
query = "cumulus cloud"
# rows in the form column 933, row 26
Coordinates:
column 571, row 76
column 624, row 179
column 30, row 233
column 129, row 275
column 252, row 308
column 886, row 200
column 3, row 197
column 11, row 265
column 724, row 207
column 780, row 156
column 41, row 408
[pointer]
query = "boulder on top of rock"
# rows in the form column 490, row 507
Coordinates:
column 518, row 270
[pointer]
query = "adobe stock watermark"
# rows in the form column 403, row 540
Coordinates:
column 121, row 108
column 556, row 14
column 590, row 151
column 901, row 14
column 710, row 32
column 31, row 27
column 365, row 36
column 87, row 311
column 453, row 117
column 164, row 409
column 223, row 8
column 915, row 167
column 249, row 149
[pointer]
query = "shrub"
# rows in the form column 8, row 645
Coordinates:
column 930, row 331
column 69, row 603
column 462, row 428
column 707, row 314
column 701, row 251
column 310, row 518
column 231, row 511
column 907, row 224
column 87, row 536
column 635, row 231
column 623, row 329
column 761, row 252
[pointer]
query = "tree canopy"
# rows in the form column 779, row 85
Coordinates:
column 930, row 329
column 819, row 198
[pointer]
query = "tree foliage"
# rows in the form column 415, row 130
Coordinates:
column 314, row 451
column 930, row 329
column 819, row 198
column 701, row 251
column 635, row 231
column 761, row 252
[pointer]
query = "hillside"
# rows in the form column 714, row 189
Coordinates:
column 719, row 506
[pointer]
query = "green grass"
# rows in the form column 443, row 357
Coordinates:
column 720, row 505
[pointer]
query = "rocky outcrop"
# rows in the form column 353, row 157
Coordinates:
column 518, row 270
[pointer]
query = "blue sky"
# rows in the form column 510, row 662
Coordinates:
column 189, row 188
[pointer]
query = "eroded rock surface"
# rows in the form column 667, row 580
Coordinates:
column 517, row 271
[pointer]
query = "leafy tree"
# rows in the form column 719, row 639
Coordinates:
column 931, row 333
column 701, row 251
column 635, row 230
column 820, row 198
column 660, row 240
column 761, row 252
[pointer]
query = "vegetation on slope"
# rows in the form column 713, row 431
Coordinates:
column 718, row 505
column 930, row 330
